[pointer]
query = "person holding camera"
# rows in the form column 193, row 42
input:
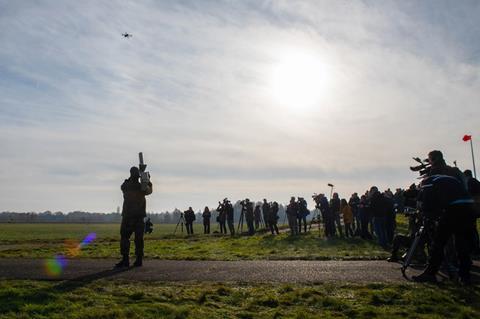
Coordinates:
column 189, row 219
column 133, row 214
column 292, row 213
column 266, row 213
column 230, row 215
column 272, row 218
column 206, row 220
column 222, row 217
column 335, row 208
column 446, row 199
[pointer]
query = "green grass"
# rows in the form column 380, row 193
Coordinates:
column 115, row 299
column 45, row 240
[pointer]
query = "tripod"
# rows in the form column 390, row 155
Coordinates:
column 240, row 222
column 422, row 236
column 181, row 222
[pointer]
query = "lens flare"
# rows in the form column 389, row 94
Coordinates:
column 54, row 266
column 88, row 239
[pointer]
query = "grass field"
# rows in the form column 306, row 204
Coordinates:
column 114, row 299
column 45, row 240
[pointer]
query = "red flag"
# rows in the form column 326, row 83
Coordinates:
column 466, row 138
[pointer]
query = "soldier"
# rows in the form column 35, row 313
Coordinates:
column 133, row 213
column 189, row 219
column 273, row 218
column 292, row 212
column 266, row 212
column 206, row 220
column 230, row 216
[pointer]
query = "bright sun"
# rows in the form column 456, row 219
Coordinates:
column 298, row 80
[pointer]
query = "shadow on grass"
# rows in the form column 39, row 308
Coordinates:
column 12, row 300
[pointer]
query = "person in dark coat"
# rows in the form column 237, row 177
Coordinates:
column 292, row 213
column 133, row 214
column 335, row 209
column 473, row 187
column 206, row 220
column 446, row 198
column 189, row 219
column 249, row 216
column 230, row 214
column 273, row 218
column 266, row 213
column 379, row 209
column 257, row 214
column 222, row 218
column 302, row 214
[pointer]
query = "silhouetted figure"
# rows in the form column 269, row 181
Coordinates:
column 365, row 217
column 327, row 217
column 378, row 207
column 356, row 224
column 222, row 217
column 335, row 208
column 148, row 226
column 257, row 214
column 249, row 216
column 206, row 220
column 446, row 198
column 266, row 213
column 133, row 213
column 302, row 214
column 230, row 212
column 273, row 218
column 473, row 187
column 292, row 212
column 189, row 219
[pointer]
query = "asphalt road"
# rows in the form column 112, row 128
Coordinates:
column 298, row 271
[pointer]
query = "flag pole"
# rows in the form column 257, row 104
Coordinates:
column 473, row 159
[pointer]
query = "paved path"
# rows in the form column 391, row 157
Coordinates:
column 213, row 271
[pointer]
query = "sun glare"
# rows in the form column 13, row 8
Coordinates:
column 298, row 80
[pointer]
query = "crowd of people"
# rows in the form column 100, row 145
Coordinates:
column 446, row 195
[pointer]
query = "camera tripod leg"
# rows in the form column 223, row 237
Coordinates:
column 411, row 251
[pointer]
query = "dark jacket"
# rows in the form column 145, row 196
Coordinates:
column 134, row 203
column 335, row 205
column 206, row 216
column 439, row 192
column 189, row 216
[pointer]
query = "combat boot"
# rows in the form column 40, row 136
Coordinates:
column 124, row 263
column 138, row 262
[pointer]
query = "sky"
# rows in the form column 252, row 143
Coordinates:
column 257, row 99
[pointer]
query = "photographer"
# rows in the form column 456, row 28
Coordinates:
column 249, row 216
column 222, row 217
column 230, row 216
column 445, row 198
column 273, row 218
column 303, row 212
column 266, row 213
column 206, row 220
column 133, row 213
column 292, row 212
column 189, row 219
column 328, row 223
column 335, row 208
